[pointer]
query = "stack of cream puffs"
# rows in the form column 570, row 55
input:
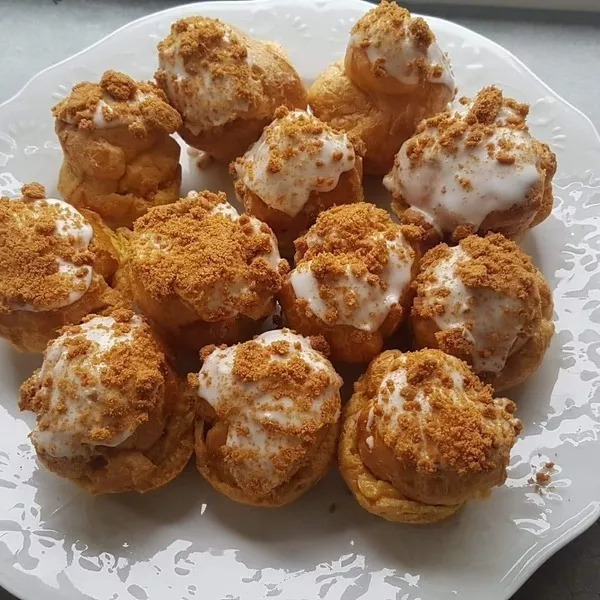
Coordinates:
column 124, row 283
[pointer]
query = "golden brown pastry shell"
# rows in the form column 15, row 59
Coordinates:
column 346, row 343
column 521, row 363
column 282, row 86
column 513, row 223
column 30, row 331
column 148, row 460
column 179, row 324
column 116, row 174
column 319, row 461
column 288, row 228
column 375, row 495
column 382, row 121
column 360, row 70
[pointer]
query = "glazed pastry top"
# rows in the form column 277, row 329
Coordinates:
column 275, row 393
column 463, row 165
column 401, row 46
column 199, row 249
column 354, row 266
column 483, row 296
column 97, row 384
column 297, row 154
column 436, row 415
column 118, row 101
column 44, row 256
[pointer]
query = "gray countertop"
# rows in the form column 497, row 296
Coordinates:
column 563, row 48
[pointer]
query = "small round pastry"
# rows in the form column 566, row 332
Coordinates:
column 392, row 52
column 119, row 158
column 485, row 302
column 298, row 168
column 474, row 170
column 352, row 280
column 267, row 417
column 55, row 263
column 393, row 76
column 422, row 435
column 225, row 84
column 112, row 415
column 202, row 273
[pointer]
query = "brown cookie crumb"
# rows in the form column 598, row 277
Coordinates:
column 30, row 251
column 216, row 264
column 140, row 106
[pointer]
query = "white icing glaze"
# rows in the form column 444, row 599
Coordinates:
column 373, row 303
column 433, row 186
column 477, row 313
column 65, row 433
column 256, row 408
column 202, row 100
column 105, row 104
column 288, row 189
column 72, row 226
column 392, row 403
column 398, row 55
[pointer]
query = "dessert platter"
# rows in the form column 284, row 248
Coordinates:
column 297, row 300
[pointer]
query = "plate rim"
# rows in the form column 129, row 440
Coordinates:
column 557, row 544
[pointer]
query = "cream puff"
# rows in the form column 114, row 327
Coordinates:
column 422, row 435
column 474, row 170
column 352, row 280
column 202, row 273
column 485, row 302
column 112, row 415
column 56, row 264
column 225, row 84
column 267, row 417
column 299, row 167
column 394, row 75
column 119, row 156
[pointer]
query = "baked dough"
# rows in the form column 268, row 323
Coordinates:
column 112, row 415
column 299, row 167
column 393, row 76
column 119, row 156
column 202, row 273
column 56, row 264
column 225, row 84
column 485, row 302
column 422, row 435
column 474, row 170
column 352, row 280
column 267, row 419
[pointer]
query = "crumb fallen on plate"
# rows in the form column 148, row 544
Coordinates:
column 542, row 478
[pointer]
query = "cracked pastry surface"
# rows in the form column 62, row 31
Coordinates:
column 393, row 76
column 422, row 435
column 225, row 84
column 203, row 273
column 111, row 414
column 474, row 170
column 352, row 280
column 485, row 302
column 298, row 167
column 267, row 421
column 54, row 266
column 119, row 156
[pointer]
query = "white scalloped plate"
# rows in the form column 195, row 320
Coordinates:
column 186, row 542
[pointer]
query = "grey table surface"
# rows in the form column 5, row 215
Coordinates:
column 563, row 48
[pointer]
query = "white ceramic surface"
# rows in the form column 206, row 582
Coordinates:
column 185, row 542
